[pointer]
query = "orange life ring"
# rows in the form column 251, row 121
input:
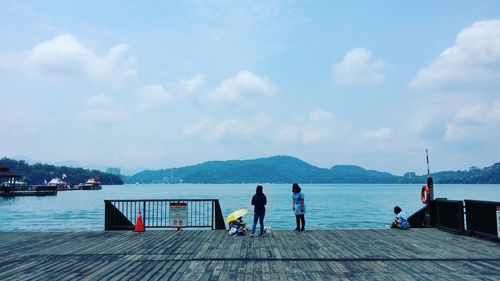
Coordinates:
column 425, row 194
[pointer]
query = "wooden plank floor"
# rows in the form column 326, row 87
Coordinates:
column 417, row 254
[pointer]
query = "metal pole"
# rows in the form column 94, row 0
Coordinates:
column 427, row 220
column 427, row 156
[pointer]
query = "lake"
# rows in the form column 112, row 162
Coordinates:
column 328, row 205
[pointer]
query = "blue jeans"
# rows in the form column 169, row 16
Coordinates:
column 258, row 216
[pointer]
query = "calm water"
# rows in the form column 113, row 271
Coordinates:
column 328, row 206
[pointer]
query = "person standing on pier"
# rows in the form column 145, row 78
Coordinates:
column 259, row 200
column 298, row 206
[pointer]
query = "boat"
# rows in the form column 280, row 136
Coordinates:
column 59, row 184
column 14, row 187
column 91, row 184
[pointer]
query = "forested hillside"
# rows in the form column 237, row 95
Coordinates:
column 286, row 169
column 39, row 173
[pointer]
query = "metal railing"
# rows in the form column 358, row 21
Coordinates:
column 450, row 215
column 425, row 217
column 481, row 217
column 474, row 217
column 156, row 213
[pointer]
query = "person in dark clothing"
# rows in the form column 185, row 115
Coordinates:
column 259, row 200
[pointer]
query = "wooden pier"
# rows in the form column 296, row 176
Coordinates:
column 416, row 254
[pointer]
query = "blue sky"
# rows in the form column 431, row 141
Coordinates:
column 156, row 84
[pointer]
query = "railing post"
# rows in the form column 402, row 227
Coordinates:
column 219, row 219
column 144, row 216
column 213, row 206
column 106, row 215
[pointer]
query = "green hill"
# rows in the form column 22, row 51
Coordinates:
column 356, row 174
column 39, row 173
column 276, row 169
column 287, row 169
column 488, row 175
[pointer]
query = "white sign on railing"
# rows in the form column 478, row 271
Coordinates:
column 178, row 214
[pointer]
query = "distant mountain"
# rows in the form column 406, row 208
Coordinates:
column 276, row 169
column 39, row 173
column 356, row 174
column 487, row 175
column 287, row 169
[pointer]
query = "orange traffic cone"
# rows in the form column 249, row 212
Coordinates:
column 139, row 226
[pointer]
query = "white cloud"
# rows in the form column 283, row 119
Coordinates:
column 230, row 128
column 197, row 130
column 189, row 86
column 379, row 134
column 476, row 121
column 241, row 87
column 65, row 57
column 153, row 95
column 475, row 58
column 99, row 101
column 101, row 110
column 358, row 67
column 235, row 128
column 319, row 127
column 319, row 115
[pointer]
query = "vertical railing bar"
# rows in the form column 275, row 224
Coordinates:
column 116, row 219
column 111, row 218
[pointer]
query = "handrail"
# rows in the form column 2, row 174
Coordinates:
column 122, row 214
column 482, row 218
column 473, row 217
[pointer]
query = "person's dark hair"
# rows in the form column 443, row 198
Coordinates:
column 296, row 188
column 430, row 182
column 259, row 189
column 397, row 210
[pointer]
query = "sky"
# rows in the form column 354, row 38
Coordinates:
column 160, row 84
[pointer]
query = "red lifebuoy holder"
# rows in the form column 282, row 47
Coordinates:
column 425, row 194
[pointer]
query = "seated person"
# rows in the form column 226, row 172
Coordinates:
column 237, row 227
column 400, row 221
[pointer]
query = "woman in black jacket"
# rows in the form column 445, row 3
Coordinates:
column 259, row 200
